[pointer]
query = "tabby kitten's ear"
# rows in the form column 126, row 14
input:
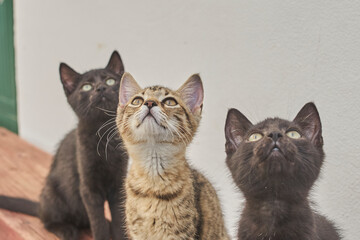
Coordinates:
column 115, row 63
column 69, row 78
column 128, row 88
column 192, row 92
column 236, row 127
column 309, row 120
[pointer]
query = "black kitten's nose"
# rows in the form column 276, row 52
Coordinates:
column 101, row 88
column 275, row 136
column 150, row 104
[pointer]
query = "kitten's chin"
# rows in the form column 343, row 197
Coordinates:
column 151, row 125
column 274, row 161
column 275, row 152
column 150, row 130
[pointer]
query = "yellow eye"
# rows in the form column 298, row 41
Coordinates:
column 137, row 101
column 86, row 87
column 293, row 134
column 110, row 82
column 170, row 102
column 255, row 137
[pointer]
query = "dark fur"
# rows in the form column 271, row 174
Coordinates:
column 276, row 184
column 80, row 179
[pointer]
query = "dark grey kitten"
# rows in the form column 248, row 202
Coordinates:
column 275, row 164
column 88, row 167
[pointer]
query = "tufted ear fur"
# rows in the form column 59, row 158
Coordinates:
column 236, row 127
column 128, row 88
column 192, row 92
column 69, row 78
column 309, row 120
column 115, row 63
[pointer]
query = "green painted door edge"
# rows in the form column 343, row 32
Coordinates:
column 8, row 108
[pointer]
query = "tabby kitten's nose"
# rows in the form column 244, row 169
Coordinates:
column 275, row 136
column 150, row 104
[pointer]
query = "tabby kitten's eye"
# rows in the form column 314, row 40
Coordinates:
column 293, row 134
column 110, row 82
column 170, row 102
column 86, row 87
column 255, row 137
column 137, row 101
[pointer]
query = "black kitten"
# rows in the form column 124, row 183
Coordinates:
column 81, row 178
column 275, row 164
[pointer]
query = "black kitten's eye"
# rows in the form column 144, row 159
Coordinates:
column 86, row 87
column 110, row 82
column 137, row 101
column 170, row 102
column 293, row 134
column 255, row 137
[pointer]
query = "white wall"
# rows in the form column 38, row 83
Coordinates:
column 265, row 58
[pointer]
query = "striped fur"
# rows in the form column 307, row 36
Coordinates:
column 166, row 198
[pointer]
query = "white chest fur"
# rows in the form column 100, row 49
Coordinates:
column 155, row 158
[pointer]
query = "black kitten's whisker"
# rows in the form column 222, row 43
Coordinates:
column 119, row 144
column 87, row 108
column 82, row 107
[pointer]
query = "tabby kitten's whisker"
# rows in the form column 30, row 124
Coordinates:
column 173, row 128
column 106, row 110
column 183, row 135
column 114, row 132
column 110, row 129
column 108, row 122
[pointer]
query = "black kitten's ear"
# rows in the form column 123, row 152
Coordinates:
column 115, row 63
column 309, row 120
column 69, row 78
column 236, row 127
column 128, row 88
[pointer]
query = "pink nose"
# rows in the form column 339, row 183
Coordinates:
column 150, row 103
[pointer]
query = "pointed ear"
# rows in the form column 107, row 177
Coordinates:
column 128, row 88
column 192, row 92
column 309, row 120
column 236, row 127
column 115, row 63
column 69, row 78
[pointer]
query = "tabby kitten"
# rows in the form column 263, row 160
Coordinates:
column 81, row 177
column 166, row 198
column 275, row 164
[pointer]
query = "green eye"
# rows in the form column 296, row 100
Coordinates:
column 86, row 87
column 110, row 82
column 255, row 137
column 170, row 102
column 137, row 101
column 293, row 134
